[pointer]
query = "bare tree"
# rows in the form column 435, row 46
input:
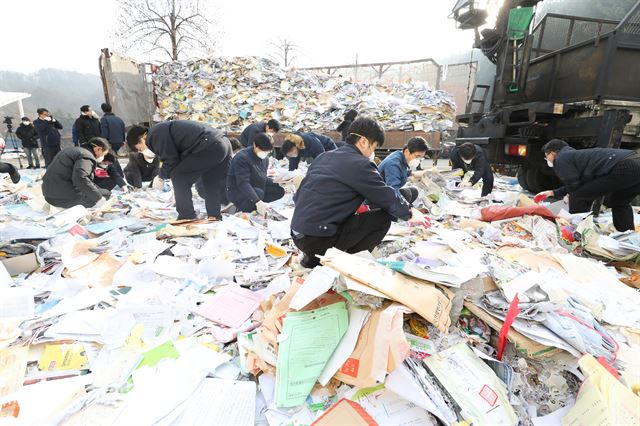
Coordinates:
column 172, row 27
column 285, row 51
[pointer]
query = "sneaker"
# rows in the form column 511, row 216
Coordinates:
column 14, row 174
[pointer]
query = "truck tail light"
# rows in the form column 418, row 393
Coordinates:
column 517, row 150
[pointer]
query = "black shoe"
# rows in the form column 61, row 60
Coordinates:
column 309, row 262
column 14, row 174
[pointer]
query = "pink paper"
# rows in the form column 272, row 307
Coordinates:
column 231, row 306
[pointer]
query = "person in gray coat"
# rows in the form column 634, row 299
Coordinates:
column 69, row 178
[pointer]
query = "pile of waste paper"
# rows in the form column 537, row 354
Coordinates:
column 231, row 93
column 503, row 311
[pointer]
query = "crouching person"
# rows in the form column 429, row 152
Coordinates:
column 68, row 180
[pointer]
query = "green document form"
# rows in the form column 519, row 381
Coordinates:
column 306, row 343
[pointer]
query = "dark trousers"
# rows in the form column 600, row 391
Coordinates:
column 487, row 182
column 49, row 152
column 6, row 167
column 135, row 178
column 32, row 156
column 272, row 192
column 67, row 203
column 209, row 165
column 619, row 188
column 359, row 232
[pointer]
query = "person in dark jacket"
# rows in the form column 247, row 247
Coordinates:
column 397, row 167
column 472, row 157
column 142, row 167
column 189, row 151
column 270, row 127
column 29, row 137
column 107, row 175
column 343, row 127
column 305, row 146
column 248, row 186
column 68, row 181
column 49, row 133
column 589, row 174
column 335, row 186
column 236, row 146
column 87, row 126
column 112, row 128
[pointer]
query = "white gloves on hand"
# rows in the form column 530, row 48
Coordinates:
column 158, row 184
column 100, row 203
column 419, row 219
column 262, row 207
column 125, row 189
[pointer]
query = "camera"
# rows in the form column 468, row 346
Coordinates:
column 8, row 120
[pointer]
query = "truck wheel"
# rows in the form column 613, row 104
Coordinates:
column 539, row 181
column 522, row 177
column 534, row 178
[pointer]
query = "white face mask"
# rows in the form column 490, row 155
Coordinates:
column 26, row 123
column 413, row 164
column 550, row 163
column 262, row 154
column 467, row 162
column 148, row 154
column 148, row 160
column 100, row 159
column 372, row 156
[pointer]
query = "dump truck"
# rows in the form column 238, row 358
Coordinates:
column 128, row 86
column 568, row 77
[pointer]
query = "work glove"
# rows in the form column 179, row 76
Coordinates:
column 464, row 184
column 100, row 203
column 419, row 219
column 262, row 207
column 158, row 184
column 125, row 189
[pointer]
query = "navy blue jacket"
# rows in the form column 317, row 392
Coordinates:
column 480, row 166
column 577, row 167
column 313, row 147
column 395, row 170
column 327, row 143
column 335, row 186
column 112, row 129
column 48, row 132
column 172, row 141
column 250, row 132
column 247, row 173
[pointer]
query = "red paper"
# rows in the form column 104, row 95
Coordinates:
column 489, row 214
column 512, row 313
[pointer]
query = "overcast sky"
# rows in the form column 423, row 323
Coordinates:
column 69, row 34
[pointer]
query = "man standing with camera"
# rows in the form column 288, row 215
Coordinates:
column 48, row 131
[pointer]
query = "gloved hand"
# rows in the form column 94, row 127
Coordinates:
column 262, row 207
column 125, row 189
column 158, row 184
column 464, row 184
column 419, row 219
column 541, row 196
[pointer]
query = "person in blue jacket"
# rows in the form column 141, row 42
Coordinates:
column 270, row 127
column 112, row 127
column 248, row 186
column 397, row 167
column 334, row 188
column 305, row 146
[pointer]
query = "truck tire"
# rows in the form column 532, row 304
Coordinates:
column 522, row 177
column 539, row 181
